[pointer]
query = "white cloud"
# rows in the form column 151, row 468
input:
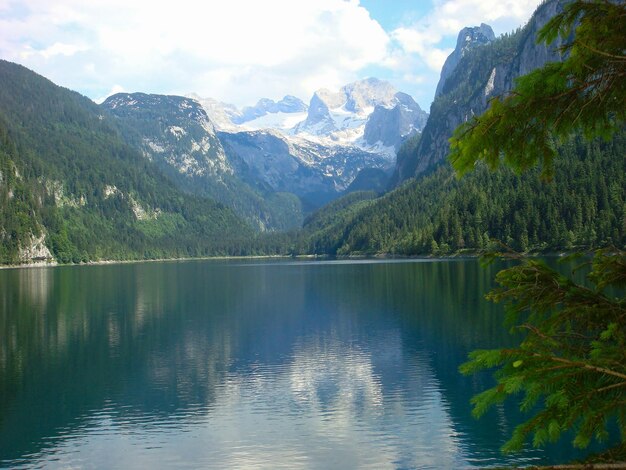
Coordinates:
column 58, row 48
column 448, row 17
column 113, row 91
column 237, row 48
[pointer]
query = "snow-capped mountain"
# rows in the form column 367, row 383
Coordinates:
column 267, row 159
column 253, row 158
column 341, row 115
column 333, row 117
column 288, row 105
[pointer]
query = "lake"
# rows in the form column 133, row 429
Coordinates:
column 250, row 364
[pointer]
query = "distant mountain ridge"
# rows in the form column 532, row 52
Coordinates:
column 176, row 133
column 289, row 104
column 332, row 117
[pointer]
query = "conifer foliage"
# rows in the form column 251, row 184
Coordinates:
column 570, row 366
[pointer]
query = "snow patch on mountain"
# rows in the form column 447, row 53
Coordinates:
column 319, row 148
column 281, row 120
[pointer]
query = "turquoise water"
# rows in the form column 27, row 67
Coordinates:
column 231, row 364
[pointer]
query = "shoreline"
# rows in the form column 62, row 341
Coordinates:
column 380, row 256
column 54, row 264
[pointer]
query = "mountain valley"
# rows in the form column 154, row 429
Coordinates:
column 149, row 176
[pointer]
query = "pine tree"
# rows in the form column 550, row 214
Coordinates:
column 570, row 366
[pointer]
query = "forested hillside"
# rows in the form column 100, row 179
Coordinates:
column 435, row 213
column 584, row 207
column 71, row 190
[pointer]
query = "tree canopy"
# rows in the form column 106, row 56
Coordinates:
column 570, row 366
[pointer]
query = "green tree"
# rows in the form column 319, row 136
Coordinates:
column 570, row 366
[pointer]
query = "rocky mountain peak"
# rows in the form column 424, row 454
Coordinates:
column 330, row 99
column 391, row 125
column 468, row 39
column 474, row 36
column 148, row 106
column 367, row 93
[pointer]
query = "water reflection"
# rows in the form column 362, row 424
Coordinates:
column 293, row 365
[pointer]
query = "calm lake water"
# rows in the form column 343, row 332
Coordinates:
column 227, row 364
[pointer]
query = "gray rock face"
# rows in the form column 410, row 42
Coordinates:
column 174, row 131
column 316, row 173
column 468, row 39
column 481, row 74
column 391, row 126
column 318, row 120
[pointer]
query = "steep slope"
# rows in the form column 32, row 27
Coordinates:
column 584, row 208
column 390, row 127
column 482, row 73
column 316, row 173
column 468, row 39
column 176, row 134
column 172, row 131
column 71, row 188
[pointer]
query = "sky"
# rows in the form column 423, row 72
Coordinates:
column 239, row 51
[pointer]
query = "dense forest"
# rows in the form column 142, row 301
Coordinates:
column 70, row 182
column 67, row 173
column 438, row 214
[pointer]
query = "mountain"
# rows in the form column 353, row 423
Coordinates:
column 331, row 113
column 176, row 134
column 316, row 151
column 332, row 118
column 390, row 126
column 431, row 212
column 266, row 177
column 173, row 131
column 222, row 115
column 468, row 39
column 72, row 189
column 288, row 105
column 346, row 110
column 316, row 173
column 370, row 114
column 481, row 73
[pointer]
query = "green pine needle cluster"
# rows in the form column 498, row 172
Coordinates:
column 569, row 369
column 571, row 363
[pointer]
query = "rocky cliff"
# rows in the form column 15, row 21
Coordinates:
column 481, row 74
